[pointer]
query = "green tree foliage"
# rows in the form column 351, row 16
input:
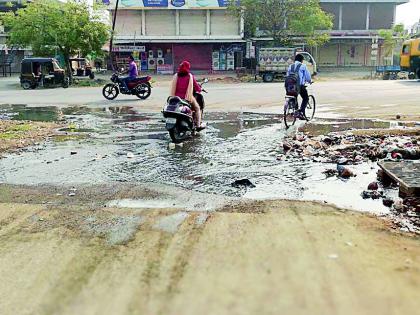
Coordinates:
column 50, row 26
column 392, row 38
column 284, row 19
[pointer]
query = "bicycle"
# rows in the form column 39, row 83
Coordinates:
column 291, row 109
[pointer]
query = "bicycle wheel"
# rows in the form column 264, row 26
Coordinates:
column 310, row 108
column 289, row 116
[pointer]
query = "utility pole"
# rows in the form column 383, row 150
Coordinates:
column 114, row 19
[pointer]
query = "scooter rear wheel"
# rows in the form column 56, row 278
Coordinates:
column 178, row 135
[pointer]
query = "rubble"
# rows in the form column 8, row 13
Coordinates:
column 245, row 182
column 352, row 148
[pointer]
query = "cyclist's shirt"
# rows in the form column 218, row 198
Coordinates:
column 304, row 74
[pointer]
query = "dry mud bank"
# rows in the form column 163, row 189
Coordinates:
column 271, row 257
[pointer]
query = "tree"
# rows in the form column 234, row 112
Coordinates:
column 284, row 19
column 392, row 38
column 50, row 26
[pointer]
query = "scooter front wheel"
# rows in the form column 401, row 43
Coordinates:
column 178, row 135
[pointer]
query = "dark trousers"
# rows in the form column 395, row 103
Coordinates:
column 126, row 80
column 305, row 98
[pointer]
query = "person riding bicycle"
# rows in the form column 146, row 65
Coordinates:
column 299, row 68
column 132, row 72
column 184, row 85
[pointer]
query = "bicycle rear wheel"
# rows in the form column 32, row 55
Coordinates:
column 310, row 108
column 289, row 116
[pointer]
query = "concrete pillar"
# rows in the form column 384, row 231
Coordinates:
column 208, row 22
column 242, row 27
column 367, row 16
column 340, row 17
column 143, row 23
column 177, row 23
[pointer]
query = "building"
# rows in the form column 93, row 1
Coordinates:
column 415, row 29
column 162, row 33
column 356, row 25
column 10, row 57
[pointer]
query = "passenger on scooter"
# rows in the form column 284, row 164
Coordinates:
column 184, row 85
column 132, row 72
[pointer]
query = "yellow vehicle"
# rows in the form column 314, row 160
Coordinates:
column 410, row 56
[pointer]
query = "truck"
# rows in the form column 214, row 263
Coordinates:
column 274, row 62
column 410, row 57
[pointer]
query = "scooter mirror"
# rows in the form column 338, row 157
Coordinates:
column 206, row 80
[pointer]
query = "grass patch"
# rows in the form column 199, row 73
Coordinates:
column 20, row 128
column 63, row 138
column 9, row 135
column 88, row 82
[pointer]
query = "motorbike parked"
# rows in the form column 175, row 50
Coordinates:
column 179, row 117
column 139, row 87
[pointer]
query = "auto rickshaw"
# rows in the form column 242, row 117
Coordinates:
column 42, row 72
column 81, row 68
column 410, row 57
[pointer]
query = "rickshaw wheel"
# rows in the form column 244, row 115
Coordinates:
column 92, row 76
column 26, row 85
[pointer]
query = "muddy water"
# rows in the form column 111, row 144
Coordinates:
column 127, row 146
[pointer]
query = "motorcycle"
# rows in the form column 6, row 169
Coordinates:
column 139, row 87
column 178, row 116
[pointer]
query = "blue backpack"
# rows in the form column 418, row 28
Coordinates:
column 292, row 81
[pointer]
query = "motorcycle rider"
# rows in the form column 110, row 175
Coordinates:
column 184, row 85
column 132, row 72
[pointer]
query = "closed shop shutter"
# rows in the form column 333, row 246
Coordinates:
column 199, row 55
column 128, row 23
column 192, row 22
column 160, row 22
column 222, row 23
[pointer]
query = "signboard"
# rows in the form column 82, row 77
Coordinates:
column 165, row 69
column 121, row 48
column 171, row 4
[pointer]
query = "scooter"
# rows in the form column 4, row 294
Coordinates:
column 179, row 116
column 139, row 87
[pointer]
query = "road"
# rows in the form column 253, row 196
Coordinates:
column 352, row 98
column 68, row 255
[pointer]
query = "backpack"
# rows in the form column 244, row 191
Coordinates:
column 292, row 81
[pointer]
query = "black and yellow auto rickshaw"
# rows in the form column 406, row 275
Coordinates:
column 81, row 68
column 410, row 57
column 37, row 72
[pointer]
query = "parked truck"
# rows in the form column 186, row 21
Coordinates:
column 274, row 62
column 410, row 57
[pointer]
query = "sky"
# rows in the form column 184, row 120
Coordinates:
column 408, row 13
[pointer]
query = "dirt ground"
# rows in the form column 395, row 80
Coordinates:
column 18, row 134
column 271, row 257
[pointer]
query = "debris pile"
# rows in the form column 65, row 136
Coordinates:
column 351, row 149
column 346, row 149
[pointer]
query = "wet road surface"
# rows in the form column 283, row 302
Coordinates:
column 123, row 145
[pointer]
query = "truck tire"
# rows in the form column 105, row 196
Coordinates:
column 268, row 77
column 418, row 73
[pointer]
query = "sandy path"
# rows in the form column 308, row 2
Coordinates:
column 263, row 258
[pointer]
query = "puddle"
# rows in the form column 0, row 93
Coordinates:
column 336, row 125
column 234, row 146
column 22, row 112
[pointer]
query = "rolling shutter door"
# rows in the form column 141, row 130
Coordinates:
column 198, row 54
